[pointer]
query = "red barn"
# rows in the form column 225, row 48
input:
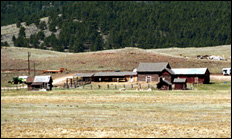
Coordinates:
column 167, row 74
column 193, row 75
column 150, row 72
column 180, row 83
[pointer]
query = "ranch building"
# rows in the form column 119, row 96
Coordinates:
column 115, row 77
column 164, row 84
column 193, row 75
column 150, row 72
column 29, row 81
column 167, row 74
column 180, row 83
column 86, row 77
column 40, row 83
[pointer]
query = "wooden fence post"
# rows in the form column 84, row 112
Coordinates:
column 115, row 86
column 124, row 86
column 131, row 86
column 91, row 86
column 108, row 86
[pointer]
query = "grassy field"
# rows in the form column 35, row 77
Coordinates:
column 202, row 112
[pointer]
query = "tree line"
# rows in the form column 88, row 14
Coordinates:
column 94, row 25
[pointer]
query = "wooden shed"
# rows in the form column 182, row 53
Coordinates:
column 150, row 72
column 164, row 85
column 193, row 75
column 39, row 83
column 180, row 83
column 42, row 82
column 29, row 81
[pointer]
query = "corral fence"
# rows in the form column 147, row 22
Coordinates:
column 107, row 86
column 17, row 87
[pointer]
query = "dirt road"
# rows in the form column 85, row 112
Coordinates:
column 61, row 80
column 220, row 77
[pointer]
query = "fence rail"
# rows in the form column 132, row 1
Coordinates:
column 106, row 87
column 18, row 87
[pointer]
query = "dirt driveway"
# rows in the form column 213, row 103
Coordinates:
column 220, row 77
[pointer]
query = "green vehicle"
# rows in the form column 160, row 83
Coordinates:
column 16, row 80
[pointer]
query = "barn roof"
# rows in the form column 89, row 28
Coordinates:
column 189, row 71
column 84, row 74
column 179, row 80
column 152, row 67
column 114, row 73
column 42, row 78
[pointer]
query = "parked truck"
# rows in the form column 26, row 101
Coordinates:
column 226, row 71
column 55, row 71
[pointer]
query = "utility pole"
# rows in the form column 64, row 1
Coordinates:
column 29, row 54
column 34, row 68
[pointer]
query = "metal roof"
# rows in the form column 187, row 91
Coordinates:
column 179, row 80
column 84, row 74
column 152, row 67
column 45, row 79
column 190, row 71
column 114, row 73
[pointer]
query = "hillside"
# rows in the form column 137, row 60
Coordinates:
column 118, row 59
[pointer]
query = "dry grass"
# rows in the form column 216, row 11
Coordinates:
column 116, row 114
column 194, row 51
column 121, row 59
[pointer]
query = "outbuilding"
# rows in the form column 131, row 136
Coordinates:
column 193, row 75
column 86, row 77
column 115, row 77
column 40, row 83
column 180, row 83
column 29, row 81
column 164, row 84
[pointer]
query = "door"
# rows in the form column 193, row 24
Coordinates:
column 148, row 79
column 131, row 79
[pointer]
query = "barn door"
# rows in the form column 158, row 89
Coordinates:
column 196, row 80
column 148, row 79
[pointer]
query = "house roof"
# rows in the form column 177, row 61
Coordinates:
column 114, row 73
column 190, row 71
column 84, row 74
column 45, row 79
column 152, row 67
column 179, row 80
